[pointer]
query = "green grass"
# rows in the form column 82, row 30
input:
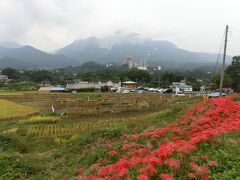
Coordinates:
column 225, row 150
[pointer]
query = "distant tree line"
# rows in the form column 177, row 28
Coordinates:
column 153, row 78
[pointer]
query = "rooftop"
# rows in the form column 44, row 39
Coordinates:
column 129, row 82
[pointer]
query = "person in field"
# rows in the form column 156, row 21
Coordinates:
column 53, row 108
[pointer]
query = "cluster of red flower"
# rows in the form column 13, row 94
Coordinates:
column 201, row 123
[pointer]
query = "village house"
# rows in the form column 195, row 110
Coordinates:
column 4, row 79
column 179, row 87
column 129, row 84
column 77, row 85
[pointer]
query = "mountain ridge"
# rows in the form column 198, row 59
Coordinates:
column 163, row 53
column 30, row 57
column 112, row 49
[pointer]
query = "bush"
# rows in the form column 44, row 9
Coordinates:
column 20, row 86
column 108, row 133
column 104, row 89
column 6, row 142
column 17, row 167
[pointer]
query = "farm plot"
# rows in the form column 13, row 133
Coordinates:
column 11, row 110
column 83, row 127
column 81, row 105
column 114, row 103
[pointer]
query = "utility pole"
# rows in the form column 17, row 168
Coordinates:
column 223, row 65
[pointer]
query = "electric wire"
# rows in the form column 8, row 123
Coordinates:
column 219, row 54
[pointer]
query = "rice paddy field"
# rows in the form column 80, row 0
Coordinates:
column 118, row 136
column 11, row 110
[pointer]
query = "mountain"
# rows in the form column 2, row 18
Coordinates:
column 10, row 62
column 29, row 57
column 109, row 50
column 115, row 49
column 10, row 45
column 84, row 50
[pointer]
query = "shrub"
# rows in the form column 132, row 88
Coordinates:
column 108, row 133
column 5, row 142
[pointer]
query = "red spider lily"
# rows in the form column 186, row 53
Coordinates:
column 120, row 173
column 101, row 160
column 109, row 145
column 205, row 177
column 191, row 175
column 134, row 136
column 201, row 123
column 213, row 163
column 92, row 178
column 148, row 170
column 136, row 160
column 80, row 171
column 172, row 163
column 139, row 153
column 185, row 147
column 166, row 177
column 152, row 160
column 129, row 146
column 142, row 177
column 112, row 153
column 103, row 171
column 201, row 170
column 204, row 156
column 94, row 166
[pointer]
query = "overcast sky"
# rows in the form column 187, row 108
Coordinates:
column 195, row 25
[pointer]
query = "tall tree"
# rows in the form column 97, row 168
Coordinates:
column 234, row 72
column 215, row 81
column 11, row 73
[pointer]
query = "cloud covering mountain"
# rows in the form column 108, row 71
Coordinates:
column 115, row 49
column 112, row 49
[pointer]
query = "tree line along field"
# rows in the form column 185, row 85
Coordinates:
column 45, row 145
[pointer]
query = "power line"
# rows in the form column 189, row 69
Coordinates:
column 235, row 26
column 219, row 54
column 234, row 39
